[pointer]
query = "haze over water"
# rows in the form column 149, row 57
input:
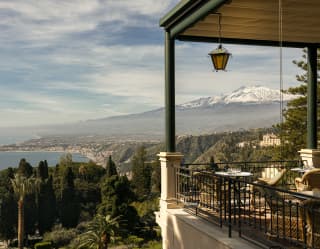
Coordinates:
column 11, row 159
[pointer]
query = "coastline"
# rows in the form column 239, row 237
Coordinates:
column 12, row 158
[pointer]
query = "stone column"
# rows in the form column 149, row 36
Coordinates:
column 310, row 157
column 169, row 161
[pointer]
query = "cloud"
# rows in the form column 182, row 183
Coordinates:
column 83, row 59
column 47, row 22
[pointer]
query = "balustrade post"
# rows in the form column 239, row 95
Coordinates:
column 169, row 163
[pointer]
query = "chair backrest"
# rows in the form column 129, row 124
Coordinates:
column 312, row 178
column 276, row 179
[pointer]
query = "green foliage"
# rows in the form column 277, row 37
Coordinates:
column 294, row 128
column 141, row 174
column 25, row 168
column 60, row 236
column 66, row 160
column 156, row 177
column 111, row 169
column 69, row 202
column 146, row 211
column 43, row 170
column 89, row 172
column 99, row 233
column 89, row 197
column 43, row 245
column 24, row 188
column 133, row 242
column 47, row 205
column 30, row 213
column 153, row 245
column 116, row 197
column 8, row 206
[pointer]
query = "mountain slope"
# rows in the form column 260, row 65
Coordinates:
column 243, row 95
column 245, row 108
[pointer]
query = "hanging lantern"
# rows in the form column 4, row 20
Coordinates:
column 219, row 57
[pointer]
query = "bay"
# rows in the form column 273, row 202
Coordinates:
column 11, row 159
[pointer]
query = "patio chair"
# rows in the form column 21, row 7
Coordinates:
column 274, row 180
column 312, row 214
column 285, row 221
column 271, row 182
column 309, row 180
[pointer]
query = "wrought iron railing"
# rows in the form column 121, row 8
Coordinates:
column 274, row 215
column 259, row 169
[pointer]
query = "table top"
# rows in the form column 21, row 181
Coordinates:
column 234, row 173
column 301, row 170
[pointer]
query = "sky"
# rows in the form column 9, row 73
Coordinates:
column 67, row 61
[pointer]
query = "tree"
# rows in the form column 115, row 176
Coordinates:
column 117, row 197
column 69, row 202
column 156, row 177
column 25, row 168
column 101, row 231
column 46, row 205
column 294, row 128
column 66, row 160
column 43, row 170
column 141, row 174
column 22, row 186
column 111, row 168
column 8, row 206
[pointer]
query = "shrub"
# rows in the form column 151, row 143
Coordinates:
column 43, row 245
column 60, row 236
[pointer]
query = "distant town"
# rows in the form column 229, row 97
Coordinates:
column 95, row 148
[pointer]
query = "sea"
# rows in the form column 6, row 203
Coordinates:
column 12, row 159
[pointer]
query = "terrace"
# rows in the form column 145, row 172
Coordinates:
column 202, row 205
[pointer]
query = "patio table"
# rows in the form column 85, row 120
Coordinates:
column 300, row 170
column 235, row 174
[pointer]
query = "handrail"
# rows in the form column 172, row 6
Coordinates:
column 240, row 203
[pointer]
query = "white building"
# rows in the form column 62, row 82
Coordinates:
column 270, row 139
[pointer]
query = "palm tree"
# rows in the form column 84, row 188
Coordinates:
column 22, row 186
column 100, row 232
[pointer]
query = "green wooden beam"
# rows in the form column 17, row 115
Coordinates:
column 244, row 41
column 175, row 13
column 197, row 15
column 170, row 93
column 312, row 98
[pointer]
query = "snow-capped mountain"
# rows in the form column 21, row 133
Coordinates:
column 253, row 94
column 244, row 108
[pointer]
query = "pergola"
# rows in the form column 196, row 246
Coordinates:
column 247, row 22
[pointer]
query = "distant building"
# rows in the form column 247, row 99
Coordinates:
column 270, row 139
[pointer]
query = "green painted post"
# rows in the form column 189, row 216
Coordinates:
column 312, row 98
column 170, row 93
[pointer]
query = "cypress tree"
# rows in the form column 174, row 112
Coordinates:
column 43, row 170
column 111, row 169
column 294, row 127
column 141, row 174
column 8, row 206
column 117, row 195
column 25, row 168
column 47, row 205
column 69, row 203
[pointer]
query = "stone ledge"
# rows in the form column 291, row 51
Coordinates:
column 181, row 230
